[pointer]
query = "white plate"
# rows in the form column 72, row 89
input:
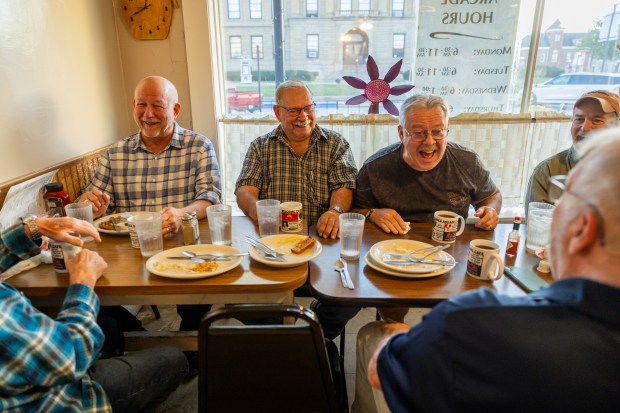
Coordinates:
column 282, row 243
column 123, row 231
column 372, row 264
column 160, row 265
column 379, row 252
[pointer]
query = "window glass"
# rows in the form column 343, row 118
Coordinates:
column 312, row 8
column 235, row 47
column 234, row 11
column 256, row 9
column 345, row 7
column 312, row 46
column 445, row 49
column 257, row 46
column 398, row 45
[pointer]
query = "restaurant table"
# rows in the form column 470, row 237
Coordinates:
column 127, row 281
column 374, row 288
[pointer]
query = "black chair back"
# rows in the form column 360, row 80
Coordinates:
column 264, row 368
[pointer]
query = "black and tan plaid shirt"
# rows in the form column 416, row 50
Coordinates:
column 139, row 180
column 272, row 166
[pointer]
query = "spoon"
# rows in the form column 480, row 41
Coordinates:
column 338, row 266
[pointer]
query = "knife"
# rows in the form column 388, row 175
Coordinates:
column 430, row 262
column 345, row 269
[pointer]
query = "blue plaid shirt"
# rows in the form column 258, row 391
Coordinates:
column 44, row 362
column 139, row 180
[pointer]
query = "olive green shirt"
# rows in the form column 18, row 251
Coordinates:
column 558, row 164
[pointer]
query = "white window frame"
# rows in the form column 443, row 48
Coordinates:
column 231, row 47
column 234, row 9
column 256, row 9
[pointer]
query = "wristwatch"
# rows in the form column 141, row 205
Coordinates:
column 369, row 213
column 32, row 226
column 337, row 209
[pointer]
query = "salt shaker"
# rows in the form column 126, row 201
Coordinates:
column 189, row 224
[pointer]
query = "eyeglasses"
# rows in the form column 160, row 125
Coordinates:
column 557, row 189
column 421, row 134
column 294, row 112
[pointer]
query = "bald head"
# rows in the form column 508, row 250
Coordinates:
column 155, row 108
column 162, row 84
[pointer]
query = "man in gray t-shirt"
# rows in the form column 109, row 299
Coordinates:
column 410, row 180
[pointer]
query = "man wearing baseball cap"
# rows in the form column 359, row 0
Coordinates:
column 598, row 109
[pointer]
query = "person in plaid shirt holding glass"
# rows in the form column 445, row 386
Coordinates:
column 50, row 364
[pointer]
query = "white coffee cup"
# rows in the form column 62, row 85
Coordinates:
column 447, row 226
column 483, row 261
column 291, row 216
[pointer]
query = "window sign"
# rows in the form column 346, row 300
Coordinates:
column 465, row 52
column 246, row 71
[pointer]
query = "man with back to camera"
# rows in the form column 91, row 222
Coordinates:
column 163, row 167
column 424, row 173
column 594, row 110
column 51, row 364
column 301, row 161
column 552, row 350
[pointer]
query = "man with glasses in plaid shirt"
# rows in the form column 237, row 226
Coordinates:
column 594, row 110
column 424, row 173
column 301, row 161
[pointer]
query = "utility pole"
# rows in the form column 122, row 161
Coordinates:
column 611, row 23
column 278, row 40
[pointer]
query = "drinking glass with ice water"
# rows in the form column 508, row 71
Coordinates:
column 268, row 211
column 351, row 231
column 220, row 224
column 149, row 231
column 538, row 225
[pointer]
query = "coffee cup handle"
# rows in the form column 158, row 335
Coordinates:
column 500, row 264
column 461, row 225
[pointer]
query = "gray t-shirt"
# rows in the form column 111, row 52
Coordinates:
column 386, row 181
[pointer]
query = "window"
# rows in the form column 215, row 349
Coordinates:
column 345, row 7
column 312, row 8
column 364, row 6
column 234, row 11
column 256, row 9
column 554, row 56
column 398, row 8
column 235, row 47
column 312, row 46
column 257, row 46
column 398, row 45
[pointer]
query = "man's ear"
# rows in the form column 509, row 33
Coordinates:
column 585, row 235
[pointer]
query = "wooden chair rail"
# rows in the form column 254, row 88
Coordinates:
column 74, row 174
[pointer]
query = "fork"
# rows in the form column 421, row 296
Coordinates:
column 264, row 247
column 266, row 252
column 431, row 251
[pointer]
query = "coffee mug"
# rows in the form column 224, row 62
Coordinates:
column 447, row 226
column 291, row 217
column 483, row 261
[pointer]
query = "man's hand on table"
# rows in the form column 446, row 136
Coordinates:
column 328, row 225
column 389, row 221
column 100, row 201
column 488, row 218
column 86, row 268
column 65, row 228
column 171, row 220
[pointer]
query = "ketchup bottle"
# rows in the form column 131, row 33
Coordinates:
column 55, row 198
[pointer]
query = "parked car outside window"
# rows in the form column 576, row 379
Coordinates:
column 561, row 92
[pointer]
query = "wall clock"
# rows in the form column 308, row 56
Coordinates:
column 147, row 19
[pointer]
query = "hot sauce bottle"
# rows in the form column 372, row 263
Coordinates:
column 513, row 238
column 55, row 198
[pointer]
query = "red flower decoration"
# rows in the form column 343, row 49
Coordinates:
column 377, row 90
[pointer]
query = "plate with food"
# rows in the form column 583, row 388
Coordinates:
column 382, row 251
column 296, row 249
column 163, row 265
column 114, row 224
